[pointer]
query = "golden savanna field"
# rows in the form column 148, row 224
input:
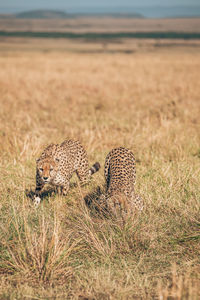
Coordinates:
column 148, row 101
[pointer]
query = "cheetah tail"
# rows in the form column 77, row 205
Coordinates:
column 95, row 168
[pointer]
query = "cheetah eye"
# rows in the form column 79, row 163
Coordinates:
column 51, row 169
column 41, row 169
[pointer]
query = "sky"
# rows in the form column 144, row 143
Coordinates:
column 148, row 8
column 93, row 3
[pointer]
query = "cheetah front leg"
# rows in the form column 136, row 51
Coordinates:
column 82, row 176
column 38, row 189
column 65, row 188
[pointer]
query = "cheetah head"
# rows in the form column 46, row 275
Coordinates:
column 47, row 169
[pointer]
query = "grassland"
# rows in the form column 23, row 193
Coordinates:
column 94, row 36
column 147, row 101
column 101, row 24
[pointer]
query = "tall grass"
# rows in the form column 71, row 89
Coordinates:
column 148, row 102
column 35, row 245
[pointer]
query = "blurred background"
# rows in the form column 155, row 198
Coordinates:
column 93, row 26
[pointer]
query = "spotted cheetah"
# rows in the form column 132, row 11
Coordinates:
column 120, row 177
column 57, row 163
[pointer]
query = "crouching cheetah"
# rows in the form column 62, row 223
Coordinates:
column 120, row 180
column 57, row 163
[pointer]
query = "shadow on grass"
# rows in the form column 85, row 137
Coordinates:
column 92, row 198
column 51, row 191
column 95, row 204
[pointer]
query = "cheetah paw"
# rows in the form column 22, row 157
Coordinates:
column 36, row 201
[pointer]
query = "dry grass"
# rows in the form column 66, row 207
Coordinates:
column 9, row 45
column 148, row 102
column 101, row 24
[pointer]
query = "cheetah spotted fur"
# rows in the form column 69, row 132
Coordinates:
column 120, row 175
column 57, row 164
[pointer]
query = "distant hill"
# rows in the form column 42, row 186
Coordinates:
column 6, row 16
column 116, row 12
column 42, row 14
column 54, row 14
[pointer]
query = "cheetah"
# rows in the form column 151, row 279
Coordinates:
column 120, row 177
column 57, row 164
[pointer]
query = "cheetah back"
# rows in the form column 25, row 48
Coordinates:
column 73, row 157
column 120, row 171
column 120, row 177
